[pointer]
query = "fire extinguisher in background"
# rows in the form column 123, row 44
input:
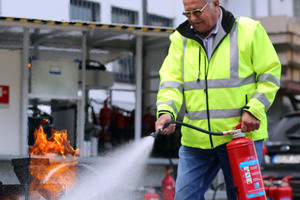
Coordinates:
column 168, row 186
column 245, row 168
column 265, row 150
column 148, row 122
column 105, row 122
column 120, row 120
column 284, row 191
column 270, row 187
column 120, row 126
column 150, row 194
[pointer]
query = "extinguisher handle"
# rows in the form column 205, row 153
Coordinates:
column 287, row 179
column 239, row 126
column 155, row 134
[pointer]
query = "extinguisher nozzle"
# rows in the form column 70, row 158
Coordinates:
column 155, row 134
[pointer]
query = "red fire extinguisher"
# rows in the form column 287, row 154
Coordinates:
column 120, row 126
column 270, row 188
column 168, row 186
column 105, row 115
column 284, row 191
column 245, row 168
column 265, row 150
column 120, row 120
column 243, row 162
column 105, row 122
column 151, row 195
column 148, row 122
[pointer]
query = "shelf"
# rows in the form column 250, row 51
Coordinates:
column 50, row 97
column 10, row 157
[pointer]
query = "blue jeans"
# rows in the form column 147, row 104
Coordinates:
column 197, row 168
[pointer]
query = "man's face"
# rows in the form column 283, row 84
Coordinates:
column 205, row 22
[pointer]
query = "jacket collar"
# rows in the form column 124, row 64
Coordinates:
column 226, row 25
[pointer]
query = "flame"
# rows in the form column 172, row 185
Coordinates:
column 55, row 169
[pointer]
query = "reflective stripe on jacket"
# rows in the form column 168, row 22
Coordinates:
column 243, row 74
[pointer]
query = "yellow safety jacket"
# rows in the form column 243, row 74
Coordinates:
column 242, row 74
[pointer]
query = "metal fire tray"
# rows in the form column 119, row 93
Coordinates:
column 21, row 168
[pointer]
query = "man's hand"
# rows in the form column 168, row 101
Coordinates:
column 249, row 122
column 161, row 121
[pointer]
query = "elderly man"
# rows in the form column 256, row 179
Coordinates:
column 227, row 72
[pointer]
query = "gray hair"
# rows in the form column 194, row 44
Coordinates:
column 210, row 3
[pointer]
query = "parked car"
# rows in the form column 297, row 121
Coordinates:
column 282, row 158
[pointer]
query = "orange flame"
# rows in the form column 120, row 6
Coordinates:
column 56, row 169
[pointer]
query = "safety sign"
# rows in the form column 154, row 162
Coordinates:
column 4, row 95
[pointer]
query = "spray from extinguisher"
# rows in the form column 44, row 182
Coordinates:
column 243, row 162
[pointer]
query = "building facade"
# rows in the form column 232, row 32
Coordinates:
column 144, row 12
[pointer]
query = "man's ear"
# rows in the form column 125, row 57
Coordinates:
column 216, row 3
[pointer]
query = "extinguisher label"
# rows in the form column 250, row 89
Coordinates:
column 252, row 180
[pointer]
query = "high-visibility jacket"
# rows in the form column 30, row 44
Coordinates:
column 242, row 74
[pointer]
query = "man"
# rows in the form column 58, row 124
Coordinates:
column 226, row 71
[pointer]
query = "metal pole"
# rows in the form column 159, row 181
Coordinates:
column 145, row 12
column 138, row 93
column 81, row 102
column 269, row 8
column 25, row 90
column 253, row 8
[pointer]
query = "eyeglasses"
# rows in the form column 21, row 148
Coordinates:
column 197, row 12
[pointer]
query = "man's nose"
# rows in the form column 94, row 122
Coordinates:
column 194, row 17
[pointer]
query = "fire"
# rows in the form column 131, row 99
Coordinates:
column 55, row 169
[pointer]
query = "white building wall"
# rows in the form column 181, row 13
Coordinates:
column 259, row 8
column 166, row 10
column 57, row 10
column 105, row 11
column 10, row 115
column 178, row 10
column 282, row 7
column 238, row 7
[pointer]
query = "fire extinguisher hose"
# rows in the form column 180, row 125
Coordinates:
column 155, row 134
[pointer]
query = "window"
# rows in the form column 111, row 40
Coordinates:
column 84, row 10
column 155, row 20
column 125, row 70
column 123, row 16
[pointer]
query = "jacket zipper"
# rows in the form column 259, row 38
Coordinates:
column 207, row 106
column 198, row 80
column 206, row 94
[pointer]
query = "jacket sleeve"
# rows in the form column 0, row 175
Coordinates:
column 267, row 67
column 170, row 93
